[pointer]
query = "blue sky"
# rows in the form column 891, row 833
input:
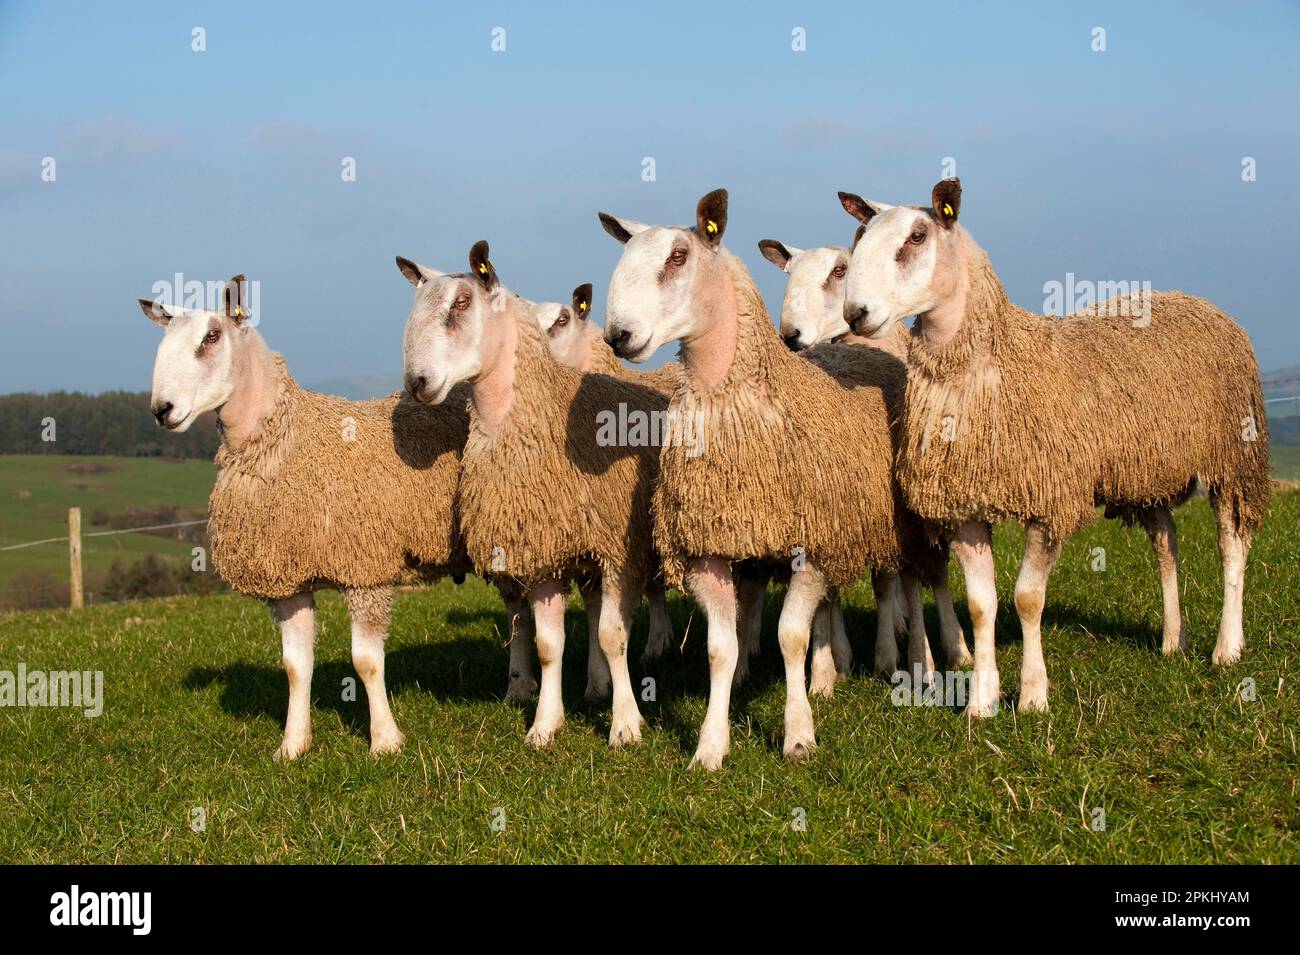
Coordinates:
column 1123, row 164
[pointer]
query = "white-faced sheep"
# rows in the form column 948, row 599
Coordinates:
column 1015, row 415
column 545, row 492
column 786, row 450
column 312, row 492
column 812, row 312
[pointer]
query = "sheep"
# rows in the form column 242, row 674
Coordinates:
column 574, row 341
column 1015, row 415
column 546, row 492
column 812, row 312
column 795, row 465
column 312, row 492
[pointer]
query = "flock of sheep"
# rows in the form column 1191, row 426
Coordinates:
column 853, row 445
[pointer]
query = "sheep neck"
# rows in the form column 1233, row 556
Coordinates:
column 257, row 388
column 709, row 353
column 494, row 386
column 963, row 328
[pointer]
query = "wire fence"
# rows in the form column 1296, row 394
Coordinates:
column 124, row 530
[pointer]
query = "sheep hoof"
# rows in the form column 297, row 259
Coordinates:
column 522, row 689
column 886, row 667
column 541, row 737
column 1034, row 702
column 797, row 749
column 626, row 732
column 597, row 692
column 387, row 743
column 982, row 710
column 292, row 749
column 708, row 758
column 1226, row 656
column 823, row 687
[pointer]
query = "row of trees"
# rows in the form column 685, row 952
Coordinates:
column 116, row 422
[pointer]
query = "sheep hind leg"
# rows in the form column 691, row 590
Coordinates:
column 618, row 597
column 973, row 546
column 1234, row 545
column 823, row 656
column 883, row 585
column 920, row 661
column 296, row 617
column 1041, row 552
column 547, row 602
column 750, row 587
column 804, row 599
column 841, row 649
column 710, row 583
column 953, row 641
column 1159, row 525
column 523, row 685
column 598, row 676
column 661, row 625
column 371, row 612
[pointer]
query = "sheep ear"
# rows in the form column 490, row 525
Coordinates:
column 480, row 266
column 862, row 209
column 621, row 229
column 776, row 253
column 234, row 299
column 711, row 217
column 945, row 200
column 157, row 312
column 411, row 271
column 582, row 300
column 857, row 237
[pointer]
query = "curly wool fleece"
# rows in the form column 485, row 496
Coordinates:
column 794, row 461
column 336, row 493
column 1024, row 416
column 544, row 494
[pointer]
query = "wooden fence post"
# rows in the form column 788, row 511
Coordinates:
column 74, row 557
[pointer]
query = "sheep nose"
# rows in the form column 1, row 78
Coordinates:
column 855, row 316
column 160, row 412
column 792, row 340
column 617, row 340
column 415, row 384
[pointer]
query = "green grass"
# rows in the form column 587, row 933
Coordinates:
column 1185, row 769
column 37, row 490
column 1285, row 459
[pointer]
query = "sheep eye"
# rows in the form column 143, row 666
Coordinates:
column 461, row 303
column 677, row 257
column 562, row 320
column 211, row 337
column 916, row 238
column 839, row 271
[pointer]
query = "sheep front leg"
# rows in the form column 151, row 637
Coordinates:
column 598, row 676
column 1040, row 556
column 955, row 651
column 973, row 546
column 883, row 585
column 661, row 625
column 1159, row 525
column 710, row 583
column 523, row 685
column 919, row 659
column 371, row 611
column 297, row 619
column 618, row 597
column 547, row 602
column 823, row 656
column 803, row 598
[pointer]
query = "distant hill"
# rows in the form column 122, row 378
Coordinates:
column 358, row 387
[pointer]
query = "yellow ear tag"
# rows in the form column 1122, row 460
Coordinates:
column 947, row 210
column 710, row 227
column 582, row 306
column 482, row 269
column 239, row 312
